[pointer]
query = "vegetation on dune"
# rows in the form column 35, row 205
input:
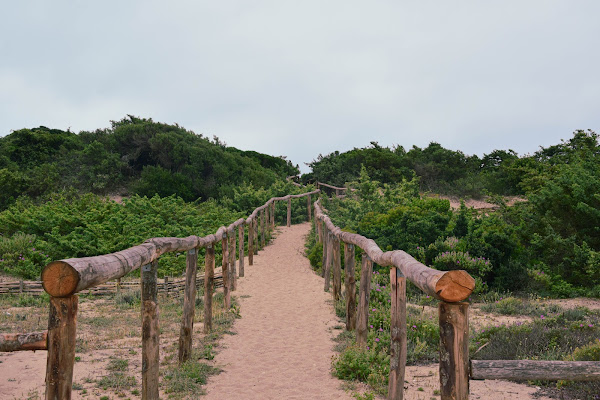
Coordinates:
column 133, row 156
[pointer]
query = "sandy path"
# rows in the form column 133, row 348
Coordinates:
column 282, row 348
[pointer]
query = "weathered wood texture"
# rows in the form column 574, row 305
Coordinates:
column 256, row 241
column 363, row 301
column 241, row 250
column 225, row 272
column 263, row 229
column 309, row 207
column 337, row 269
column 454, row 350
column 231, row 253
column 398, row 332
column 251, row 242
column 350, row 282
column 150, row 332
column 62, row 326
column 450, row 286
column 23, row 341
column 209, row 273
column 289, row 213
column 189, row 306
column 535, row 370
column 325, row 255
column 329, row 263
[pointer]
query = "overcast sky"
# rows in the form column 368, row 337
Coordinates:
column 300, row 78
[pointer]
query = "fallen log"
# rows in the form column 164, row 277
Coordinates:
column 525, row 370
column 23, row 341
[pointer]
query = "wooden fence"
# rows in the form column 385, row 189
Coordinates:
column 64, row 279
column 451, row 288
column 170, row 286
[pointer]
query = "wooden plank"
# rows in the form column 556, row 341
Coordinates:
column 364, row 293
column 23, row 341
column 62, row 326
column 454, row 350
column 398, row 333
column 209, row 274
column 535, row 370
column 349, row 264
column 150, row 332
column 189, row 306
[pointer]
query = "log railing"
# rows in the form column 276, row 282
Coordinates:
column 450, row 287
column 63, row 279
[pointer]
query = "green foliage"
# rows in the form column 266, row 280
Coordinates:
column 135, row 155
column 81, row 226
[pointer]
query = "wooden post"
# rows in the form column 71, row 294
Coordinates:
column 150, row 332
column 319, row 230
column 256, row 243
column 21, row 286
column 166, row 285
column 225, row 273
column 454, row 350
column 337, row 268
column 350, row 287
column 308, row 206
column 209, row 278
column 231, row 254
column 273, row 215
column 251, row 243
column 324, row 233
column 62, row 325
column 263, row 228
column 118, row 285
column 289, row 213
column 189, row 306
column 364, row 293
column 329, row 261
column 398, row 332
column 241, row 249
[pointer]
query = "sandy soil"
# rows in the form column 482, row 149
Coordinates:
column 478, row 204
column 282, row 348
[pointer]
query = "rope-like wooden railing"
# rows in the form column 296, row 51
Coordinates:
column 63, row 279
column 450, row 287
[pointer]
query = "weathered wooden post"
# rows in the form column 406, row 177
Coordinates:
column 256, row 244
column 241, row 249
column 189, row 306
column 289, row 212
column 150, row 332
column 319, row 230
column 398, row 332
column 21, row 286
column 251, row 243
column 225, row 272
column 337, row 269
column 166, row 285
column 324, row 234
column 209, row 279
column 118, row 285
column 454, row 350
column 330, row 257
column 308, row 205
column 350, row 287
column 62, row 326
column 364, row 293
column 263, row 228
column 231, row 254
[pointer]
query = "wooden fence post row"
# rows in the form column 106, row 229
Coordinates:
column 64, row 278
column 451, row 287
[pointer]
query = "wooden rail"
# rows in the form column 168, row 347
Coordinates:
column 63, row 279
column 450, row 287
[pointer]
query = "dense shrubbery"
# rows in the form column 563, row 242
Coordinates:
column 80, row 226
column 135, row 155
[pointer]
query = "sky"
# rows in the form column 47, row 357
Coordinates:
column 303, row 78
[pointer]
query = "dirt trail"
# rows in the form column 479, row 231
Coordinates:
column 282, row 348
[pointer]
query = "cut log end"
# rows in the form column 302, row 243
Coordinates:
column 455, row 286
column 59, row 279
